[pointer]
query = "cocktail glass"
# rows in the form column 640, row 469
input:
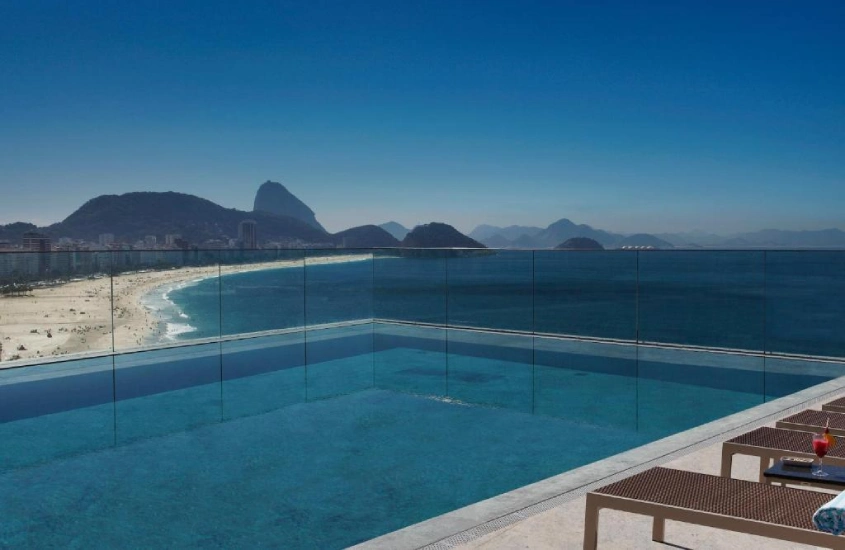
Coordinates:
column 820, row 447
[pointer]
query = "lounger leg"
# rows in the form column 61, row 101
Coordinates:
column 591, row 524
column 764, row 465
column 658, row 529
column 727, row 462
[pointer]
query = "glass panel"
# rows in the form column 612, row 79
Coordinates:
column 410, row 285
column 263, row 374
column 491, row 369
column 338, row 286
column 805, row 302
column 787, row 376
column 681, row 389
column 586, row 293
column 491, row 289
column 262, row 290
column 702, row 298
column 165, row 296
column 586, row 382
column 263, row 293
column 55, row 409
column 167, row 390
column 54, row 304
column 410, row 358
column 339, row 360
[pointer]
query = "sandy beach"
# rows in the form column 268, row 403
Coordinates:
column 76, row 317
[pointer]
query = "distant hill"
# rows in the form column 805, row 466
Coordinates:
column 766, row 238
column 398, row 230
column 13, row 232
column 564, row 229
column 524, row 242
column 132, row 216
column 497, row 241
column 365, row 236
column 274, row 198
column 579, row 243
column 643, row 239
column 776, row 238
column 695, row 239
column 438, row 235
column 511, row 232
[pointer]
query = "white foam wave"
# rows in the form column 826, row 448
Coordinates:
column 175, row 329
column 167, row 312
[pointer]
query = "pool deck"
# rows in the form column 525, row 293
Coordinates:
column 550, row 513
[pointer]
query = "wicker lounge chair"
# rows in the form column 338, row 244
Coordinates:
column 770, row 511
column 814, row 421
column 771, row 444
column 837, row 405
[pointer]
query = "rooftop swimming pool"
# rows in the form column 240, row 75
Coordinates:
column 329, row 438
column 298, row 405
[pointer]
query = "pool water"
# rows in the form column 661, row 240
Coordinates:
column 327, row 452
column 324, row 474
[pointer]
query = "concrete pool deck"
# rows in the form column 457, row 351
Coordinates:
column 550, row 513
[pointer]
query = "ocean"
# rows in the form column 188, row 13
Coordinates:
column 790, row 302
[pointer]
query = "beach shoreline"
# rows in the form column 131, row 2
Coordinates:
column 76, row 317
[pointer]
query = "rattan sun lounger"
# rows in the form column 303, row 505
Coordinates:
column 837, row 405
column 814, row 421
column 771, row 444
column 771, row 511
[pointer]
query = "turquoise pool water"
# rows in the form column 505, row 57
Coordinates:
column 325, row 474
column 330, row 439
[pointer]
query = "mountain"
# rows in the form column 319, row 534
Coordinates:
column 13, row 232
column 579, row 243
column 523, row 242
column 766, row 238
column 272, row 197
column 365, row 236
column 643, row 240
column 396, row 229
column 564, row 229
column 438, row 235
column 520, row 236
column 497, row 241
column 776, row 238
column 695, row 239
column 132, row 216
column 511, row 232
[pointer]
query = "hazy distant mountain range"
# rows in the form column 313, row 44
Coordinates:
column 284, row 219
column 516, row 236
column 537, row 237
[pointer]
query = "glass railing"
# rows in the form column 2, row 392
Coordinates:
column 769, row 302
column 111, row 347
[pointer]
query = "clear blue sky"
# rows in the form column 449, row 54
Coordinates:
column 629, row 116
